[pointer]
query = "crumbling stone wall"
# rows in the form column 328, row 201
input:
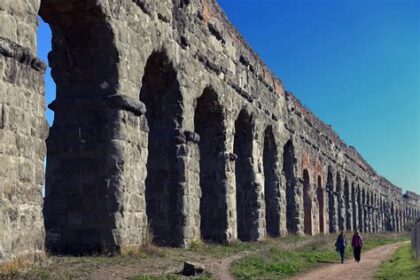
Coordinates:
column 169, row 127
column 23, row 130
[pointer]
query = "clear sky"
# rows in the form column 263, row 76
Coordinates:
column 355, row 64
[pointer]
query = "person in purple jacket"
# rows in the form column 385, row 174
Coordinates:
column 357, row 244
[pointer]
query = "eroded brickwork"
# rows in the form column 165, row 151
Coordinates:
column 169, row 127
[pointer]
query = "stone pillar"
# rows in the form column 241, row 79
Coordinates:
column 23, row 130
column 259, row 189
column 231, row 231
column 97, row 148
column 190, row 155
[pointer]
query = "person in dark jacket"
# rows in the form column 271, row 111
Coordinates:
column 341, row 245
column 357, row 244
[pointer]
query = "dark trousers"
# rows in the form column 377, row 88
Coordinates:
column 342, row 250
column 357, row 252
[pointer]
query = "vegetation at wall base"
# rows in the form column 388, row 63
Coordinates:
column 275, row 258
column 402, row 266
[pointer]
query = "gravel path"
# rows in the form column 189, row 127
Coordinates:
column 350, row 270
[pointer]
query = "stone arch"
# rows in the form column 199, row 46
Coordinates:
column 80, row 189
column 161, row 95
column 320, row 196
column 246, row 191
column 340, row 198
column 271, row 184
column 360, row 208
column 209, row 125
column 289, row 171
column 365, row 210
column 348, row 219
column 332, row 208
column 354, row 206
column 307, row 203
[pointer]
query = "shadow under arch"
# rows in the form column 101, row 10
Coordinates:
column 289, row 171
column 161, row 94
column 307, row 203
column 271, row 184
column 332, row 207
column 320, row 197
column 246, row 191
column 209, row 125
column 81, row 196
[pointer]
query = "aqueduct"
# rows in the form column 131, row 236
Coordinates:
column 165, row 122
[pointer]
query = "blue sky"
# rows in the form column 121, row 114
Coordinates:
column 355, row 64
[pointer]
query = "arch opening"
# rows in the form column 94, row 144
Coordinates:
column 208, row 123
column 331, row 202
column 246, row 193
column 271, row 184
column 289, row 166
column 307, row 203
column 360, row 210
column 79, row 163
column 354, row 205
column 347, row 201
column 161, row 95
column 320, row 196
column 340, row 199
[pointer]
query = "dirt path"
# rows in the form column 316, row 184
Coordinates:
column 371, row 260
column 220, row 269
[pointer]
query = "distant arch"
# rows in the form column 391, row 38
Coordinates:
column 360, row 208
column 340, row 199
column 354, row 205
column 348, row 223
column 307, row 203
column 332, row 214
column 320, row 196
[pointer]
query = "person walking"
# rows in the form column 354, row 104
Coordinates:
column 340, row 245
column 357, row 244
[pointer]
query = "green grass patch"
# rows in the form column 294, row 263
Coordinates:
column 401, row 266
